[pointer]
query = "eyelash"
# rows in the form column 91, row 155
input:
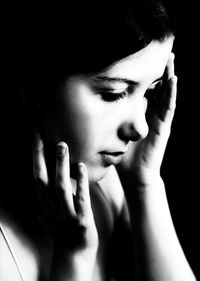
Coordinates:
column 109, row 96
column 112, row 97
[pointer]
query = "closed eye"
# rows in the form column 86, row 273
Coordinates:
column 111, row 89
column 109, row 95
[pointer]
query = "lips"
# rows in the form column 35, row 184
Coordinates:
column 111, row 158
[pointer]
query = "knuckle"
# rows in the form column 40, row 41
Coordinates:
column 82, row 224
column 173, row 107
column 60, row 182
column 172, row 56
column 38, row 177
column 60, row 160
column 85, row 220
column 166, row 131
column 81, row 198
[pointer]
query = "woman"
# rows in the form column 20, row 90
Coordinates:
column 106, row 90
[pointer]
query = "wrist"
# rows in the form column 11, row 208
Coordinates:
column 139, row 192
column 153, row 184
column 74, row 266
column 138, row 178
column 84, row 263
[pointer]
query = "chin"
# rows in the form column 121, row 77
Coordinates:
column 96, row 174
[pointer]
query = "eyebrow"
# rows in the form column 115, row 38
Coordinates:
column 122, row 80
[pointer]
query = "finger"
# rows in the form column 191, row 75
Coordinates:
column 83, row 203
column 170, row 66
column 39, row 165
column 171, row 99
column 169, row 103
column 63, row 183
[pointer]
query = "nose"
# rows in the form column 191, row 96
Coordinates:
column 134, row 126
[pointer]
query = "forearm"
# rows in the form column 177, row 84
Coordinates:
column 159, row 255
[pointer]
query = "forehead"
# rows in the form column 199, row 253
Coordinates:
column 149, row 63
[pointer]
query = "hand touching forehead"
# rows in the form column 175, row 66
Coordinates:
column 144, row 66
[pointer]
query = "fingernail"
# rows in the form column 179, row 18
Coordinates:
column 81, row 167
column 36, row 140
column 61, row 149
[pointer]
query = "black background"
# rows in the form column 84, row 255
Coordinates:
column 180, row 168
column 181, row 164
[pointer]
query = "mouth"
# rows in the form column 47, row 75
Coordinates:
column 111, row 158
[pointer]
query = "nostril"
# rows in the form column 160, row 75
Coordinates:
column 127, row 132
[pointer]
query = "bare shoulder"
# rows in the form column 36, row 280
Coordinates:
column 113, row 190
column 20, row 254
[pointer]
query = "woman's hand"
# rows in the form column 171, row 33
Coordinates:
column 145, row 157
column 68, row 216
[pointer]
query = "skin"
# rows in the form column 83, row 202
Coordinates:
column 84, row 119
column 87, row 119
column 91, row 114
column 90, row 125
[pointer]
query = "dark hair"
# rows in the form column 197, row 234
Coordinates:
column 42, row 45
column 85, row 36
column 90, row 36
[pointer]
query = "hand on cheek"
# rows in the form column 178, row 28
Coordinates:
column 69, row 217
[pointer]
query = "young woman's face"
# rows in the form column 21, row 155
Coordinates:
column 98, row 114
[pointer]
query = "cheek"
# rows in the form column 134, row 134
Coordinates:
column 80, row 123
column 79, row 130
